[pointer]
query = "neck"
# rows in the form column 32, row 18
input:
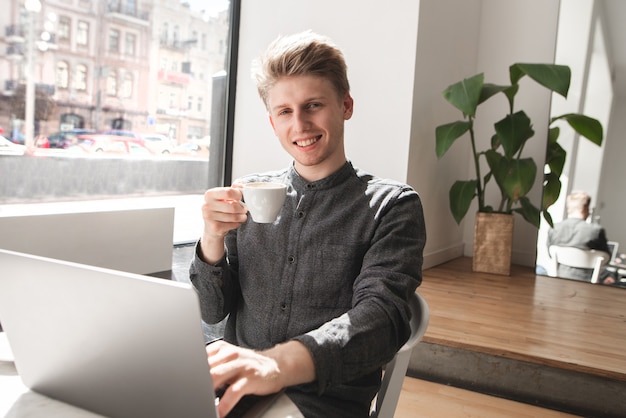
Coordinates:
column 319, row 171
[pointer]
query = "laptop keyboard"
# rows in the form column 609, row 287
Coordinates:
column 244, row 405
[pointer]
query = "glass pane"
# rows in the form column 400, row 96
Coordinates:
column 112, row 101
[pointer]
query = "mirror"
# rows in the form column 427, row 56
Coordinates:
column 601, row 94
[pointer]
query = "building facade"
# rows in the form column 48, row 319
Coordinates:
column 145, row 66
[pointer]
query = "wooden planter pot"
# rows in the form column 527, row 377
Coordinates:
column 493, row 243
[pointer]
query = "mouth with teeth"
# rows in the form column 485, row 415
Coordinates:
column 307, row 141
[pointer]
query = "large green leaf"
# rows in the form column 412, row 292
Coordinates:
column 461, row 195
column 555, row 158
column 510, row 95
column 465, row 94
column 551, row 76
column 551, row 189
column 489, row 90
column 445, row 135
column 516, row 177
column 529, row 212
column 497, row 164
column 548, row 218
column 513, row 131
column 588, row 127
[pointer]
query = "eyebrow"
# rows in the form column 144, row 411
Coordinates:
column 308, row 100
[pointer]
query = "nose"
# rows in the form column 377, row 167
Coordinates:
column 301, row 121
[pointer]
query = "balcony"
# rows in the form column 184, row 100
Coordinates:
column 14, row 34
column 130, row 14
column 15, row 52
column 177, row 44
column 173, row 77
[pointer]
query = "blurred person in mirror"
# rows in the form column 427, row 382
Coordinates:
column 317, row 302
column 576, row 231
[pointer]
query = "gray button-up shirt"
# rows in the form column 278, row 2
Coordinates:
column 334, row 272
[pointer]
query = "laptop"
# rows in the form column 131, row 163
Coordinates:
column 118, row 344
column 617, row 259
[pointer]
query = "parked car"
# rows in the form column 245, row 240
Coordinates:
column 8, row 147
column 198, row 148
column 110, row 144
column 134, row 136
column 158, row 143
column 64, row 139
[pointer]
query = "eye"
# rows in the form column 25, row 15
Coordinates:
column 313, row 106
column 283, row 112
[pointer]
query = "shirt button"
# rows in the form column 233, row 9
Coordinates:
column 283, row 306
column 291, row 259
column 300, row 214
column 309, row 186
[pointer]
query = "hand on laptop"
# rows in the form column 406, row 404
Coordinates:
column 246, row 371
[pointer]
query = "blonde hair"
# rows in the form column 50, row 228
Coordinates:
column 578, row 202
column 304, row 53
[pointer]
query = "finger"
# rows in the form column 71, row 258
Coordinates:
column 220, row 352
column 223, row 194
column 228, row 401
column 224, row 212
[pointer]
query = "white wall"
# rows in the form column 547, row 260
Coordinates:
column 378, row 40
column 447, row 52
column 613, row 199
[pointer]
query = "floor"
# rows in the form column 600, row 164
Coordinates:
column 544, row 341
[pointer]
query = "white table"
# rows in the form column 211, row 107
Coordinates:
column 17, row 401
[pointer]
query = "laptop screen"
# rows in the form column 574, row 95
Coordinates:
column 118, row 344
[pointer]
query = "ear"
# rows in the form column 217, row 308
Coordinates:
column 348, row 106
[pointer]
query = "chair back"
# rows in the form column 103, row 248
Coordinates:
column 395, row 370
column 578, row 258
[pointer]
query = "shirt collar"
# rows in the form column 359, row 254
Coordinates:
column 338, row 177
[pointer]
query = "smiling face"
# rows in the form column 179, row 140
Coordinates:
column 308, row 118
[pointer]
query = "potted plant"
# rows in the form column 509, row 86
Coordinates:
column 512, row 172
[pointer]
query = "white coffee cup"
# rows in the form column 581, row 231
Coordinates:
column 264, row 200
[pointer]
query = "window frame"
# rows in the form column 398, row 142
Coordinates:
column 82, row 33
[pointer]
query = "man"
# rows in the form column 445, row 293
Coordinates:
column 576, row 232
column 316, row 301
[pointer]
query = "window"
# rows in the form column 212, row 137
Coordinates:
column 127, row 86
column 112, row 83
column 130, row 41
column 114, row 40
column 175, row 39
column 64, row 31
column 72, row 121
column 62, row 75
column 96, row 89
column 199, row 104
column 131, row 7
column 82, row 33
column 80, row 77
